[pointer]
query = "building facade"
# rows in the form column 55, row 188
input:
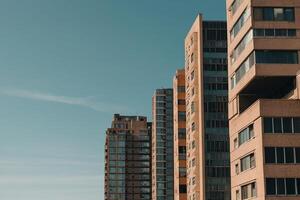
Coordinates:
column 127, row 159
column 162, row 145
column 264, row 105
column 180, row 188
column 208, row 164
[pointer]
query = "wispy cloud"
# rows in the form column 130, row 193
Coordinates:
column 88, row 102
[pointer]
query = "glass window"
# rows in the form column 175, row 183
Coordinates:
column 298, row 185
column 268, row 125
column 275, row 56
column 296, row 124
column 270, row 186
column 287, row 125
column 258, row 14
column 280, row 32
column 278, row 14
column 289, row 14
column 297, row 151
column 291, row 32
column 280, row 154
column 259, row 32
column 268, row 14
column 270, row 155
column 280, row 186
column 269, row 32
column 290, row 186
column 277, row 125
column 289, row 155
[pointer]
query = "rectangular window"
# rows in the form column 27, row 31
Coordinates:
column 290, row 186
column 182, row 188
column 274, row 14
column 280, row 182
column 297, row 151
column 249, row 191
column 280, row 154
column 277, row 125
column 247, row 162
column 270, row 186
column 289, row 155
column 268, row 127
column 296, row 121
column 270, row 155
column 246, row 134
column 287, row 125
column 276, row 56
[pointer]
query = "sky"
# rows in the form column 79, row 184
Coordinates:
column 66, row 66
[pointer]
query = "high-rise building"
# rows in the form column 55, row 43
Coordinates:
column 264, row 105
column 179, row 136
column 162, row 145
column 128, row 160
column 208, row 164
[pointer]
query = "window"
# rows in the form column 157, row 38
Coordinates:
column 193, row 126
column 283, row 155
column 240, row 23
column 297, row 151
column 270, row 155
column 249, row 191
column 274, row 32
column 280, row 155
column 287, row 125
column 276, row 56
column 237, row 195
column 181, row 89
column 235, row 5
column 235, row 142
column 274, row 14
column 182, row 171
column 282, row 125
column 277, row 125
column 289, row 155
column 290, row 186
column 242, row 45
column 181, row 102
column 181, row 116
column 246, row 134
column 296, row 124
column 181, row 133
column 193, row 107
column 247, row 162
column 182, row 188
column 268, row 127
column 270, row 186
column 280, row 184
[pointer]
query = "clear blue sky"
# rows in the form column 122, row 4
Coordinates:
column 65, row 67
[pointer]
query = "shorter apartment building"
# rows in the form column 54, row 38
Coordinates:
column 127, row 159
column 180, row 188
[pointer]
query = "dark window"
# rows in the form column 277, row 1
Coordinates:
column 270, row 186
column 275, row 56
column 258, row 14
column 258, row 32
column 280, row 186
column 289, row 14
column 280, row 32
column 181, row 116
column 297, row 151
column 289, row 155
column 280, row 154
column 296, row 124
column 291, row 32
column 268, row 14
column 268, row 125
column 287, row 125
column 298, row 185
column 290, row 186
column 270, row 155
column 269, row 32
column 182, row 188
column 277, row 125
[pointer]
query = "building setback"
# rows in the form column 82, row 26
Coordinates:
column 127, row 159
column 264, row 105
column 208, row 165
column 179, row 136
column 162, row 145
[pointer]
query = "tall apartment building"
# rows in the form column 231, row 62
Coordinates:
column 264, row 105
column 208, row 168
column 162, row 145
column 127, row 159
column 179, row 136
